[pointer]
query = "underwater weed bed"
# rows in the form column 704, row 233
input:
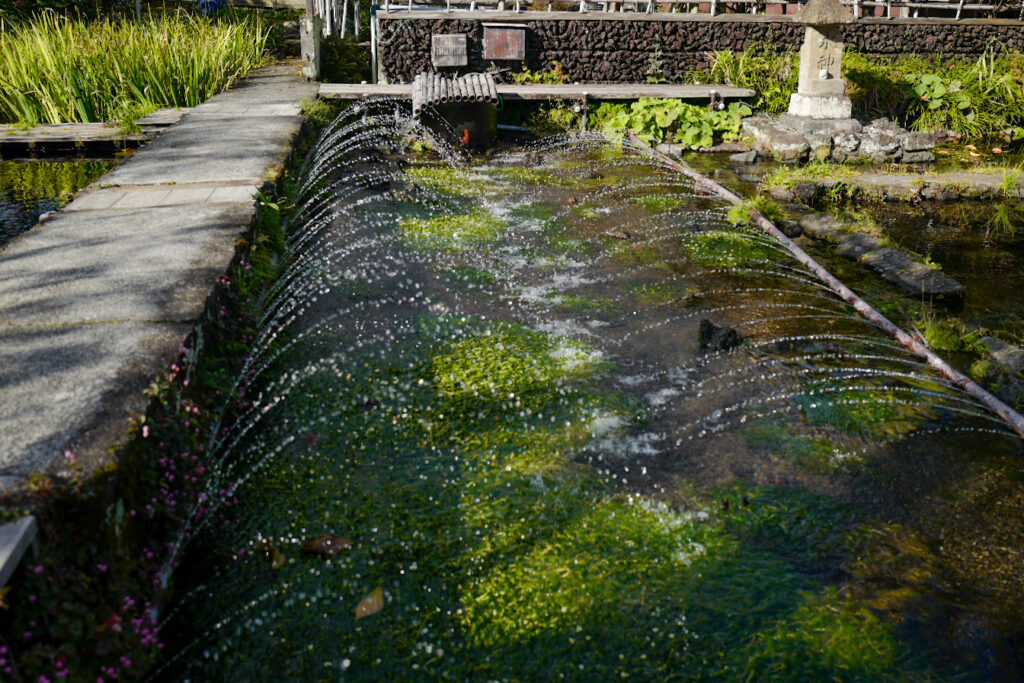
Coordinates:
column 480, row 439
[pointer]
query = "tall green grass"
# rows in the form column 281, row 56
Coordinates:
column 54, row 69
column 974, row 97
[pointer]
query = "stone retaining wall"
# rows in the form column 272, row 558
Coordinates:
column 607, row 48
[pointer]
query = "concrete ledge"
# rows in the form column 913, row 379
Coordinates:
column 96, row 298
column 15, row 539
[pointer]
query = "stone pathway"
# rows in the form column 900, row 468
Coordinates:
column 99, row 295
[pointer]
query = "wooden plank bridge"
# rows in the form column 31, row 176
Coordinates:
column 567, row 91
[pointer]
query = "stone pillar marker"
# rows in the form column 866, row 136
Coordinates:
column 821, row 92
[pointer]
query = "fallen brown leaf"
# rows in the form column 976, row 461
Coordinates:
column 997, row 150
column 371, row 604
column 971, row 147
column 328, row 544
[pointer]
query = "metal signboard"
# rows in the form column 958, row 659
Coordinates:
column 448, row 49
column 505, row 41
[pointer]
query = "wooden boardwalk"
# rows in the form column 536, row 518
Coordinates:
column 73, row 138
column 568, row 91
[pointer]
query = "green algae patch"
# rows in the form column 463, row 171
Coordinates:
column 574, row 179
column 809, row 452
column 727, row 249
column 469, row 276
column 664, row 293
column 884, row 412
column 454, row 182
column 453, row 457
column 576, row 304
column 656, row 203
column 452, row 233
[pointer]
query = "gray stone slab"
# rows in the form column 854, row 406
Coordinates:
column 75, row 387
column 1008, row 355
column 144, row 264
column 900, row 268
column 15, row 539
column 95, row 299
column 201, row 148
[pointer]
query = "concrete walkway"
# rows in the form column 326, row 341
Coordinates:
column 95, row 299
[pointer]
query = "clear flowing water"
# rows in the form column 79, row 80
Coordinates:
column 29, row 189
column 482, row 436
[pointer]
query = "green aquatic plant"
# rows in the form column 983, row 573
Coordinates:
column 789, row 175
column 727, row 249
column 806, row 451
column 453, row 460
column 452, row 233
column 453, row 181
column 883, row 412
column 656, row 203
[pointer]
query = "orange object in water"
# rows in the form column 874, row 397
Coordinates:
column 465, row 136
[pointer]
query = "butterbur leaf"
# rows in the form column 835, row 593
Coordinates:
column 328, row 544
column 371, row 604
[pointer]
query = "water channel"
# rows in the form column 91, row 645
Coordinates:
column 29, row 189
column 549, row 414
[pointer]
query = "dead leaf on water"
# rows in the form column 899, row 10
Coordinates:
column 328, row 544
column 997, row 150
column 371, row 604
column 974, row 154
column 277, row 558
column 971, row 147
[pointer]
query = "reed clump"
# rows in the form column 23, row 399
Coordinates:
column 55, row 69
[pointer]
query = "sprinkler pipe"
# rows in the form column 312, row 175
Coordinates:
column 914, row 345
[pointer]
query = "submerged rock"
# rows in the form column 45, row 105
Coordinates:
column 714, row 337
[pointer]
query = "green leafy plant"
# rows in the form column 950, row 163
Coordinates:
column 553, row 76
column 771, row 74
column 656, row 120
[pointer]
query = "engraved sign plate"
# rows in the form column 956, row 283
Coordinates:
column 448, row 49
column 504, row 42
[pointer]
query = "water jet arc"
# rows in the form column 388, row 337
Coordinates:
column 1011, row 416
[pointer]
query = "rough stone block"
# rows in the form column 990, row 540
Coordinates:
column 922, row 157
column 940, row 193
column 820, row 107
column 15, row 539
column 822, row 226
column 820, row 145
column 880, row 146
column 1007, row 355
column 857, row 245
column 883, row 125
column 900, row 268
column 917, row 141
column 744, row 157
